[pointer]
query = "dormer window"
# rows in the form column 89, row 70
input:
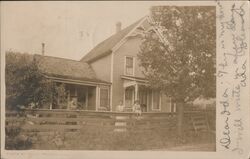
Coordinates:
column 129, row 65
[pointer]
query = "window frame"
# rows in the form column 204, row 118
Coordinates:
column 152, row 105
column 108, row 99
column 125, row 66
column 172, row 106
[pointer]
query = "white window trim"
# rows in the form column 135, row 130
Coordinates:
column 99, row 96
column 172, row 109
column 152, row 105
column 170, row 102
column 125, row 62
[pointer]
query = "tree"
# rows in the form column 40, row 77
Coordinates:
column 182, row 61
column 25, row 84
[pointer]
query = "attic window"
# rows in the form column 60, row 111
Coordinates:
column 129, row 65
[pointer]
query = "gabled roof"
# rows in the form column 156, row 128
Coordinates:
column 65, row 68
column 105, row 47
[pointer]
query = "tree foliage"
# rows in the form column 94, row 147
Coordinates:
column 25, row 84
column 182, row 61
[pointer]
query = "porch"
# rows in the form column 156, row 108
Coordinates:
column 135, row 90
column 81, row 96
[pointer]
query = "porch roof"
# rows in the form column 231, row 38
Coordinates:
column 66, row 69
column 133, row 78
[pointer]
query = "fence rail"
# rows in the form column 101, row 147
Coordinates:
column 48, row 120
column 44, row 125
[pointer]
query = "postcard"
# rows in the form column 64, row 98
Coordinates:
column 125, row 79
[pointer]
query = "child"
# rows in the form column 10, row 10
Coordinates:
column 137, row 108
column 120, row 107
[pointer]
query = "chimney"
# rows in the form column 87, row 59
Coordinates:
column 118, row 27
column 43, row 49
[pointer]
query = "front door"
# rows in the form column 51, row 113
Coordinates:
column 129, row 96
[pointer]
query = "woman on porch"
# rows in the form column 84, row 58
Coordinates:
column 137, row 108
column 120, row 107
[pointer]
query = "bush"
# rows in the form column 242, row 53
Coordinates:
column 26, row 86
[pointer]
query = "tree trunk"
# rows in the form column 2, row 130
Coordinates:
column 180, row 116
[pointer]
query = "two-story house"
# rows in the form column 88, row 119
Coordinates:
column 115, row 60
column 109, row 73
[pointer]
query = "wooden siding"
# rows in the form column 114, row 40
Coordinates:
column 129, row 48
column 102, row 68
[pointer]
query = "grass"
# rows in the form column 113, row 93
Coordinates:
column 99, row 139
column 153, row 136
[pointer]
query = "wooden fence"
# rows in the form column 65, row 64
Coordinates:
column 46, row 124
column 57, row 120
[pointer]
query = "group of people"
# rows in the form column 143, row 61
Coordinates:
column 136, row 107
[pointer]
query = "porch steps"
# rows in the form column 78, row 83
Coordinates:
column 200, row 123
column 122, row 117
column 120, row 129
column 121, row 123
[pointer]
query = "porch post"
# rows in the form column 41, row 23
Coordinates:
column 68, row 99
column 97, row 98
column 87, row 99
column 136, row 91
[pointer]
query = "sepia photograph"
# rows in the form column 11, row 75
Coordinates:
column 81, row 76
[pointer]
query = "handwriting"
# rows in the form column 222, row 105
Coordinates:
column 236, row 96
column 226, row 140
column 232, row 73
column 242, row 74
column 238, row 124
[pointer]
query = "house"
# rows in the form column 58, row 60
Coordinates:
column 79, row 79
column 109, row 73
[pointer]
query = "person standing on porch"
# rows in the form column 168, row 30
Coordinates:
column 73, row 104
column 137, row 108
column 120, row 107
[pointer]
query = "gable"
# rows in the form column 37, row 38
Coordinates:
column 106, row 47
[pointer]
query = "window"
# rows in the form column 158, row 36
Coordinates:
column 156, row 100
column 104, row 97
column 129, row 66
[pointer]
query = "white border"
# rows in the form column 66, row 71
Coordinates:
column 41, row 154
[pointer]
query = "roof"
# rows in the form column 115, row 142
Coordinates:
column 104, row 48
column 66, row 68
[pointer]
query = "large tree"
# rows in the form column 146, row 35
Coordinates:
column 25, row 84
column 182, row 61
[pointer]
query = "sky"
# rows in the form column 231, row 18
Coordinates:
column 68, row 29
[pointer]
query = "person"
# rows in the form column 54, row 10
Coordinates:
column 120, row 107
column 73, row 104
column 137, row 108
